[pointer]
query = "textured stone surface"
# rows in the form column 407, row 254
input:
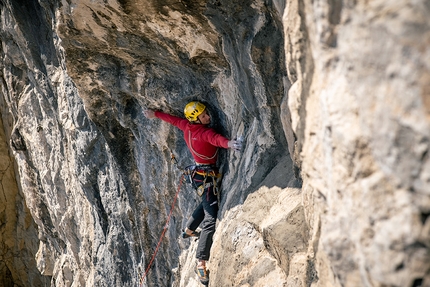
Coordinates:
column 365, row 123
column 264, row 241
column 332, row 97
column 18, row 232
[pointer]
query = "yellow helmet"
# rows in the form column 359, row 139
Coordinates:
column 193, row 110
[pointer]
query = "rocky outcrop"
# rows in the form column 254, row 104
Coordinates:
column 331, row 189
column 365, row 125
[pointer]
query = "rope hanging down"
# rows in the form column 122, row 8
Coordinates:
column 142, row 279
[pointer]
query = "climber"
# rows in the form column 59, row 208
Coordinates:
column 203, row 143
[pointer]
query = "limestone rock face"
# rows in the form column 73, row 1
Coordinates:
column 18, row 232
column 331, row 97
column 362, row 111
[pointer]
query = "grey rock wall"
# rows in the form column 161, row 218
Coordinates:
column 331, row 97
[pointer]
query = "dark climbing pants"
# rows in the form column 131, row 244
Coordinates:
column 206, row 215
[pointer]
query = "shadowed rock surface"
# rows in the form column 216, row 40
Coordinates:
column 332, row 187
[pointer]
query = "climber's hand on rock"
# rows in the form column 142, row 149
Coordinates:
column 235, row 144
column 150, row 114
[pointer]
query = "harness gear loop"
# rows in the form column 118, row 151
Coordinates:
column 215, row 182
column 201, row 188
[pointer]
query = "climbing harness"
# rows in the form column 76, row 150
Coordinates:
column 206, row 171
column 142, row 279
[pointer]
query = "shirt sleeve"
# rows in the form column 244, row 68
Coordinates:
column 214, row 138
column 173, row 120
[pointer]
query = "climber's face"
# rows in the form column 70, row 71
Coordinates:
column 204, row 117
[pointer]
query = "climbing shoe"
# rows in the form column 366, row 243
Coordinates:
column 203, row 275
column 193, row 234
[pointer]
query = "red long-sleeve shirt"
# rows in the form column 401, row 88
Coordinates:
column 202, row 141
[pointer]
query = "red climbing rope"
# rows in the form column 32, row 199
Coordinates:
column 164, row 231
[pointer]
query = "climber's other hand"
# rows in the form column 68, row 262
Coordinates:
column 150, row 114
